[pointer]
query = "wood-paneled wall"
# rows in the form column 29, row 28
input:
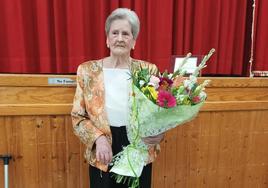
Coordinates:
column 225, row 146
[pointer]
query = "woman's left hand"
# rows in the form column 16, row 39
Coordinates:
column 152, row 140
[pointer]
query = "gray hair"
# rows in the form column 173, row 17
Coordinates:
column 124, row 13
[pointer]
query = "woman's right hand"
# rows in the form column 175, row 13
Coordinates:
column 104, row 152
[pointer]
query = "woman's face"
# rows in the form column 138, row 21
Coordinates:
column 120, row 39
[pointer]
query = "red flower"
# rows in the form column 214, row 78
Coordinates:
column 166, row 99
column 164, row 83
column 196, row 99
column 165, row 80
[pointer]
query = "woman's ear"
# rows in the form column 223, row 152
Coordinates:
column 133, row 45
column 107, row 43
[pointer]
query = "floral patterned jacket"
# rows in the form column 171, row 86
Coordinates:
column 89, row 117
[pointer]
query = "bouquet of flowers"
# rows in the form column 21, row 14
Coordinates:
column 158, row 103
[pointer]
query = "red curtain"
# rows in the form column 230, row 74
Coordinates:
column 204, row 24
column 55, row 36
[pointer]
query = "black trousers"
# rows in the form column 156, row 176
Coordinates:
column 100, row 179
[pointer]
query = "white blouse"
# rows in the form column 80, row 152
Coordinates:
column 117, row 85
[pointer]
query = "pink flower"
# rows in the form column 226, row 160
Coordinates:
column 196, row 99
column 154, row 81
column 166, row 99
column 178, row 81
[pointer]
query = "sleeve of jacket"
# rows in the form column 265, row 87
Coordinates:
column 82, row 125
column 154, row 69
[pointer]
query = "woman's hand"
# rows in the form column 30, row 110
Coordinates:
column 152, row 140
column 104, row 152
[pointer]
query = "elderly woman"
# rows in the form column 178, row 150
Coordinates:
column 100, row 109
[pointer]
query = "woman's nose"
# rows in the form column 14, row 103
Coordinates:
column 120, row 37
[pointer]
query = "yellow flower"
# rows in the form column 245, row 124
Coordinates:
column 151, row 91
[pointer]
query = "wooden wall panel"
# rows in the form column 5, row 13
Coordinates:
column 225, row 146
column 217, row 149
column 45, row 152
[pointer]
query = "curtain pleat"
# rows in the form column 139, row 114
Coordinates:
column 260, row 62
